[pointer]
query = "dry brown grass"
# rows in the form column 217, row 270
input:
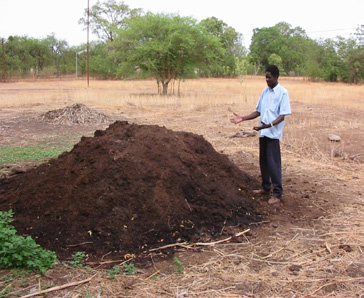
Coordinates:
column 194, row 92
column 320, row 258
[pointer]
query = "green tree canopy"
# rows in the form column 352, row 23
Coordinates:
column 282, row 40
column 165, row 46
column 59, row 48
column 24, row 55
column 231, row 41
column 107, row 17
column 17, row 54
column 352, row 57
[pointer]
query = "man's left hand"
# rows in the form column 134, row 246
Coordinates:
column 257, row 128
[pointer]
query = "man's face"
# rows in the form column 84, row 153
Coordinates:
column 270, row 79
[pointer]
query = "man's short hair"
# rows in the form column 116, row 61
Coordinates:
column 273, row 69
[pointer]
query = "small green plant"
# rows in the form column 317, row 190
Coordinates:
column 179, row 267
column 78, row 259
column 113, row 271
column 21, row 252
column 129, row 269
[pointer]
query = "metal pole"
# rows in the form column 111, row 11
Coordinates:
column 4, row 66
column 88, row 47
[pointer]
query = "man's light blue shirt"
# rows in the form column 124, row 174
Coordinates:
column 273, row 103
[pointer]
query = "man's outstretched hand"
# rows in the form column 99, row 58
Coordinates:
column 237, row 119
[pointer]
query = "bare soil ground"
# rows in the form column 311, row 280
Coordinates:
column 308, row 245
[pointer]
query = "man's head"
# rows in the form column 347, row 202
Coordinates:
column 272, row 75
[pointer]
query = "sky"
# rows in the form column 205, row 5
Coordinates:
column 319, row 18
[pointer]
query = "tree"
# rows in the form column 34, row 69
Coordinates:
column 276, row 60
column 231, row 41
column 103, row 65
column 26, row 55
column 17, row 57
column 330, row 63
column 265, row 42
column 352, row 54
column 165, row 46
column 41, row 53
column 292, row 50
column 106, row 18
column 59, row 48
column 311, row 66
column 282, row 40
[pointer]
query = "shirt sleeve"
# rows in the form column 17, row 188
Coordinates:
column 259, row 104
column 285, row 108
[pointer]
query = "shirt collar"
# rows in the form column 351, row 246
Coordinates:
column 274, row 88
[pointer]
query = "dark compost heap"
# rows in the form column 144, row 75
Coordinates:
column 128, row 189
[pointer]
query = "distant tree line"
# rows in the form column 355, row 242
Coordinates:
column 169, row 47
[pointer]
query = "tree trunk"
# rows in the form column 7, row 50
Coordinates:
column 355, row 78
column 159, row 88
column 165, row 88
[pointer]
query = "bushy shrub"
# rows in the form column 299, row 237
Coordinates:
column 21, row 252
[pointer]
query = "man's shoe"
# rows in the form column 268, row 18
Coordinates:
column 261, row 192
column 273, row 200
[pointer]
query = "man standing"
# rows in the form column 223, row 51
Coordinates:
column 272, row 108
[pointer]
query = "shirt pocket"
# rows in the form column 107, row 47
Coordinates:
column 274, row 105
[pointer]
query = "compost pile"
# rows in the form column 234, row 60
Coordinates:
column 74, row 114
column 128, row 189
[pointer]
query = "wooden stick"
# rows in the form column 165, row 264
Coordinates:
column 57, row 288
column 154, row 274
column 171, row 245
column 271, row 254
column 109, row 262
column 185, row 245
column 189, row 207
column 223, row 240
column 317, row 290
column 328, row 248
column 79, row 244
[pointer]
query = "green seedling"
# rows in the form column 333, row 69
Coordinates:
column 78, row 259
column 179, row 267
column 129, row 269
column 113, row 271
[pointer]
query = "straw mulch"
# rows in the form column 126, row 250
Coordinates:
column 75, row 114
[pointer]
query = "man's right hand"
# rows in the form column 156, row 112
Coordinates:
column 237, row 119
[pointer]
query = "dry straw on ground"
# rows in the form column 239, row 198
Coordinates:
column 74, row 114
column 302, row 256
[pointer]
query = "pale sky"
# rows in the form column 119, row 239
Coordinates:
column 319, row 18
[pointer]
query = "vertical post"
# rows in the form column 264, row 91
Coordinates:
column 4, row 66
column 88, row 46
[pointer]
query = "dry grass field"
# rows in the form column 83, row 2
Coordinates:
column 308, row 246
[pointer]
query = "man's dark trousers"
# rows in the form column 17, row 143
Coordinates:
column 271, row 165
